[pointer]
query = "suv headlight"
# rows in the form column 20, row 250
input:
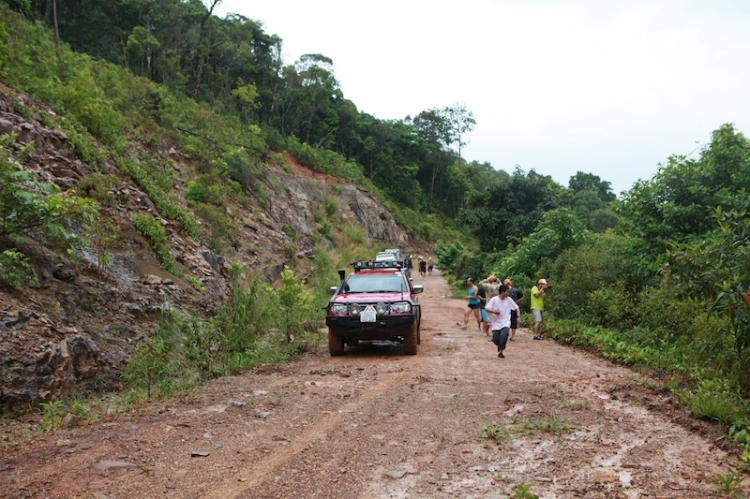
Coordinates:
column 401, row 307
column 381, row 308
column 338, row 308
column 354, row 309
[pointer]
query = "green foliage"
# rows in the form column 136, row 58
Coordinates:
column 729, row 483
column 154, row 231
column 99, row 187
column 324, row 228
column 195, row 283
column 52, row 414
column 498, row 432
column 295, row 306
column 151, row 365
column 15, row 270
column 324, row 161
column 289, row 250
column 718, row 269
column 26, row 203
column 675, row 206
column 354, row 235
column 330, row 207
column 102, row 234
column 223, row 230
column 522, row 492
column 558, row 231
column 157, row 181
column 242, row 320
column 241, row 168
column 511, row 209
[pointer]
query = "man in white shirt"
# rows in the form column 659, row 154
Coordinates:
column 500, row 308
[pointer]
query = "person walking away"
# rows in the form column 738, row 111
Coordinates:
column 500, row 308
column 538, row 295
column 430, row 265
column 473, row 304
column 482, row 295
column 490, row 286
column 517, row 296
column 422, row 267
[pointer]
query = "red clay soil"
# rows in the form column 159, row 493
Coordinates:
column 453, row 421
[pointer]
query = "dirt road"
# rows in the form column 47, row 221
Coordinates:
column 453, row 421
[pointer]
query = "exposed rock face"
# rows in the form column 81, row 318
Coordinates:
column 77, row 328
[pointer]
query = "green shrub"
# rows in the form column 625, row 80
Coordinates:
column 324, row 228
column 330, row 207
column 295, row 306
column 224, row 230
column 26, row 203
column 153, row 230
column 195, row 283
column 15, row 270
column 99, row 187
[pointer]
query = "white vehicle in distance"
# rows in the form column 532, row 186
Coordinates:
column 396, row 252
column 385, row 257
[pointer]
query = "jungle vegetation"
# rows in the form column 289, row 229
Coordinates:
column 653, row 279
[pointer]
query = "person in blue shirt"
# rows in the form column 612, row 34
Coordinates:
column 473, row 304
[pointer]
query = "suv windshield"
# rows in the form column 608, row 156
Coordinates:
column 366, row 283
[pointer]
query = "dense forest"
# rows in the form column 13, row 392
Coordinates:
column 655, row 279
column 235, row 67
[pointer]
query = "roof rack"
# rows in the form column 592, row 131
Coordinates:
column 382, row 264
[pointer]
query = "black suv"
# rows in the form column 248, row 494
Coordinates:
column 376, row 302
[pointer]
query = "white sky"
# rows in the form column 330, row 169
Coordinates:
column 606, row 87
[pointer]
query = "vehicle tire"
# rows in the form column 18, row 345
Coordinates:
column 410, row 340
column 419, row 330
column 335, row 343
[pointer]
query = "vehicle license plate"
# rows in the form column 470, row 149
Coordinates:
column 368, row 314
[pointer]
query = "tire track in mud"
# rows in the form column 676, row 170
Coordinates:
column 322, row 429
column 375, row 423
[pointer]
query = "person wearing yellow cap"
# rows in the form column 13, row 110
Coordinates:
column 538, row 294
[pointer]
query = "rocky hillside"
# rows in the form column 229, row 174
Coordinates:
column 76, row 328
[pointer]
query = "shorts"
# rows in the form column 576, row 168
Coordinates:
column 538, row 315
column 473, row 305
column 500, row 337
column 514, row 319
column 483, row 314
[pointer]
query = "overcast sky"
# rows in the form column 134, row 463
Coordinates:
column 602, row 86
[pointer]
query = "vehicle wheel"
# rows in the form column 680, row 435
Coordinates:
column 335, row 343
column 410, row 340
column 419, row 330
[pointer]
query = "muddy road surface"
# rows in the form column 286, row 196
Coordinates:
column 453, row 421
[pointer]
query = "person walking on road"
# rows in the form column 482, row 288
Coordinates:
column 473, row 304
column 490, row 287
column 516, row 295
column 482, row 295
column 430, row 265
column 538, row 295
column 500, row 308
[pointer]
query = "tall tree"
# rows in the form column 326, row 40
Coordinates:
column 511, row 209
column 461, row 122
column 434, row 127
column 588, row 181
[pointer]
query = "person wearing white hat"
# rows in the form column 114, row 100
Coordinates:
column 538, row 294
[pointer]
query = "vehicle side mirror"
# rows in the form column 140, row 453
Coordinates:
column 333, row 289
column 418, row 288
